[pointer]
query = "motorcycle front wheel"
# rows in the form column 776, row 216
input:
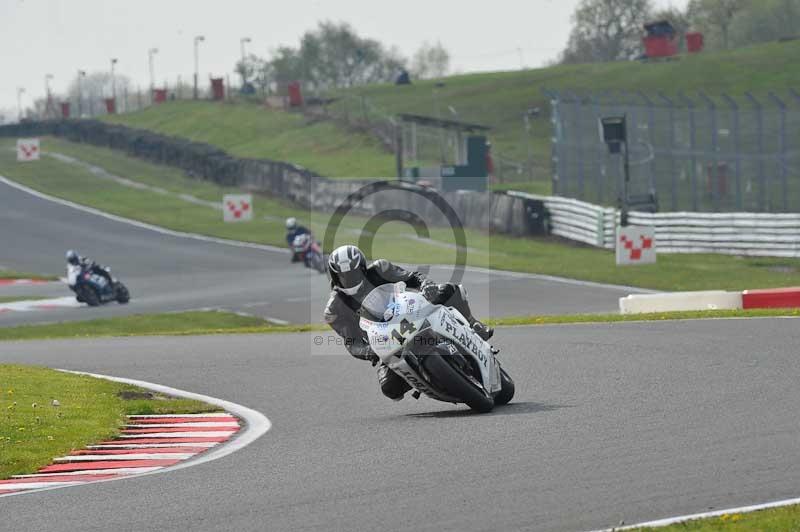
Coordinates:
column 88, row 295
column 458, row 385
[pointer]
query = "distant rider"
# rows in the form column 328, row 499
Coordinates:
column 293, row 231
column 352, row 279
column 87, row 264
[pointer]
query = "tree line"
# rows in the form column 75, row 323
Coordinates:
column 611, row 30
column 333, row 56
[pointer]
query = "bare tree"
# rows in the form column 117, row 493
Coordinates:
column 715, row 14
column 606, row 30
column 430, row 61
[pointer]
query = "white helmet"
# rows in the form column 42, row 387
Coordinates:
column 291, row 223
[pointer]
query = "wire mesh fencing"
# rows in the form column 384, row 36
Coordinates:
column 694, row 152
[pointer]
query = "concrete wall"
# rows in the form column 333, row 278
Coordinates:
column 487, row 211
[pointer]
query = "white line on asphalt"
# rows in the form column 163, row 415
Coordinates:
column 184, row 425
column 28, row 305
column 153, row 416
column 131, row 456
column 704, row 515
column 39, row 485
column 129, row 471
column 256, row 425
column 208, row 434
column 132, row 445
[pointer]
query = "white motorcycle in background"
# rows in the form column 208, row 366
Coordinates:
column 434, row 349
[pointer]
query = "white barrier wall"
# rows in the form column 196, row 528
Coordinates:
column 680, row 301
column 738, row 233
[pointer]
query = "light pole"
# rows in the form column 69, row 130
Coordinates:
column 241, row 43
column 113, row 81
column 197, row 41
column 48, row 97
column 81, row 75
column 150, row 53
column 20, row 90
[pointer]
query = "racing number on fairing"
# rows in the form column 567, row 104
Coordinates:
column 405, row 327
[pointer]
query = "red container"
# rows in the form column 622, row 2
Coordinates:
column 218, row 88
column 111, row 106
column 295, row 94
column 660, row 46
column 64, row 109
column 694, row 42
column 159, row 95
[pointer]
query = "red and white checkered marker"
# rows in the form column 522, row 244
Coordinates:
column 28, row 149
column 636, row 244
column 147, row 443
column 237, row 207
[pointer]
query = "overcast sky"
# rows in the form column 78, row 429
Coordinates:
column 60, row 37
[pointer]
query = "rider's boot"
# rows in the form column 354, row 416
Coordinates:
column 393, row 385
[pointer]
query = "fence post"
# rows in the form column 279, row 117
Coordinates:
column 737, row 149
column 692, row 148
column 762, row 179
column 651, row 124
column 577, row 117
column 782, row 147
column 555, row 146
column 599, row 172
column 672, row 171
column 712, row 116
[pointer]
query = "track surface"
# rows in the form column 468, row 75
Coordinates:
column 166, row 273
column 611, row 422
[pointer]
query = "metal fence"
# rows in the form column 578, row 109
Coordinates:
column 696, row 152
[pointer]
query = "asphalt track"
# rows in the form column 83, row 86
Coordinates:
column 169, row 273
column 611, row 422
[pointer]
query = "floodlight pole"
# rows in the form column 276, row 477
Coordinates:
column 197, row 41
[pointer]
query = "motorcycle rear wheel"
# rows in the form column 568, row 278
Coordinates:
column 88, row 295
column 456, row 384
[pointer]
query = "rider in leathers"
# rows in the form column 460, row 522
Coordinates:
column 86, row 263
column 352, row 279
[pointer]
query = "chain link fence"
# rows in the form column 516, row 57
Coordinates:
column 695, row 152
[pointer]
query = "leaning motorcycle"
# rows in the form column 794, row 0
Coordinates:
column 92, row 288
column 308, row 250
column 434, row 349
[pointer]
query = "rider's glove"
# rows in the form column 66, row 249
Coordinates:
column 430, row 291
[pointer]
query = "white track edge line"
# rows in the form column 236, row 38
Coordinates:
column 256, row 425
column 705, row 515
column 265, row 247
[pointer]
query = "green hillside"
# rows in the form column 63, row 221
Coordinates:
column 495, row 99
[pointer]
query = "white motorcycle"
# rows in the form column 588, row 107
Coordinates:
column 434, row 349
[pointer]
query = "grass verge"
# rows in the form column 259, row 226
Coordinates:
column 218, row 322
column 654, row 316
column 395, row 241
column 11, row 274
column 11, row 299
column 773, row 519
column 33, row 431
column 167, row 324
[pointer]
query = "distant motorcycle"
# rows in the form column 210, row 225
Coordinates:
column 92, row 288
column 308, row 250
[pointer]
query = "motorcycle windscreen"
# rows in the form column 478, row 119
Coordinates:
column 381, row 303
